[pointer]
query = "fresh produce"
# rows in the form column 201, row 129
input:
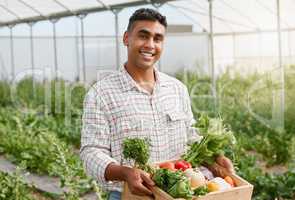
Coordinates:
column 212, row 187
column 183, row 165
column 181, row 189
column 216, row 138
column 222, row 184
column 167, row 165
column 196, row 177
column 201, row 191
column 137, row 149
column 229, row 180
column 174, row 183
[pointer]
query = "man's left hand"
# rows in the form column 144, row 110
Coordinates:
column 226, row 163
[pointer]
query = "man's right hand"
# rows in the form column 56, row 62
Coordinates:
column 138, row 180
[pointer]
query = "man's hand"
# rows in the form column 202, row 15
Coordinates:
column 222, row 161
column 226, row 163
column 138, row 181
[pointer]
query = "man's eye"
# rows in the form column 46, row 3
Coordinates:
column 143, row 36
column 157, row 39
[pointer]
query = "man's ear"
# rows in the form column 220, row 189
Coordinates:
column 125, row 38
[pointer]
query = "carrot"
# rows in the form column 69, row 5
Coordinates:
column 230, row 181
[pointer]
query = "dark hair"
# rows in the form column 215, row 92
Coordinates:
column 146, row 14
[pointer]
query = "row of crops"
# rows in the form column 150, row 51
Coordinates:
column 40, row 127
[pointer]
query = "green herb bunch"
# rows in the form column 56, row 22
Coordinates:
column 216, row 139
column 137, row 149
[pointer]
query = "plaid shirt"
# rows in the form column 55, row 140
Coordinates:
column 116, row 108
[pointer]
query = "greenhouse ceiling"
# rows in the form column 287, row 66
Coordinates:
column 24, row 11
column 229, row 16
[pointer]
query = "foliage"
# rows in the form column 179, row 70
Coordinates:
column 24, row 141
column 4, row 93
column 137, row 149
column 174, row 183
column 12, row 187
column 216, row 138
column 238, row 98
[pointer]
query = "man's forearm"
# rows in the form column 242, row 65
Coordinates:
column 115, row 172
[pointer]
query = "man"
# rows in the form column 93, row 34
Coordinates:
column 138, row 101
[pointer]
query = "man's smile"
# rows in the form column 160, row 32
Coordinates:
column 147, row 54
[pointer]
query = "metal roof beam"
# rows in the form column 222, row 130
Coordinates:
column 103, row 4
column 189, row 17
column 64, row 7
column 41, row 17
column 9, row 11
column 254, row 32
column 32, row 8
column 240, row 13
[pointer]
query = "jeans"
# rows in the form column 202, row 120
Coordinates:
column 114, row 195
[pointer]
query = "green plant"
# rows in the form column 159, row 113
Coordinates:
column 12, row 187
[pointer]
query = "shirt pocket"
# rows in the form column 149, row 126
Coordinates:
column 176, row 131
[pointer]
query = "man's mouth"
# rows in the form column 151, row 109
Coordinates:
column 147, row 54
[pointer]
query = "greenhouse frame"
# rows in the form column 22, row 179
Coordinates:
column 236, row 58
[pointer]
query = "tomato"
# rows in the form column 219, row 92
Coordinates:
column 183, row 165
column 167, row 165
column 188, row 164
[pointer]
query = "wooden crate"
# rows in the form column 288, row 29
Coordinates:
column 242, row 191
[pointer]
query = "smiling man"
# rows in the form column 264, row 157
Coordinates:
column 138, row 101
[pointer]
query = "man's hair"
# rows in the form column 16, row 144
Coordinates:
column 146, row 14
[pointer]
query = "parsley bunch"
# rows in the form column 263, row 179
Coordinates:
column 138, row 150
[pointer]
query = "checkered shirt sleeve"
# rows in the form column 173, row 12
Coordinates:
column 95, row 142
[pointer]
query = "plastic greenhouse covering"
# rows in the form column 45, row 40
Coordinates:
column 228, row 15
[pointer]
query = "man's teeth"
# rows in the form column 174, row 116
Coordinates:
column 147, row 54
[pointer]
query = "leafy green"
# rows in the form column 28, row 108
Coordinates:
column 201, row 191
column 181, row 189
column 174, row 183
column 216, row 138
column 137, row 149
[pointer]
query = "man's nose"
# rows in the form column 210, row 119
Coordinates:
column 150, row 43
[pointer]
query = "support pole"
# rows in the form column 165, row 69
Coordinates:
column 54, row 21
column 289, row 47
column 77, row 51
column 82, row 16
column 282, row 70
column 211, row 41
column 31, row 24
column 118, row 56
column 12, row 53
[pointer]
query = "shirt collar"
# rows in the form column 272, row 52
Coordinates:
column 128, row 82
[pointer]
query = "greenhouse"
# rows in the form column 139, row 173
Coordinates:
column 236, row 59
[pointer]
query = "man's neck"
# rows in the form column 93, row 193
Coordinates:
column 145, row 78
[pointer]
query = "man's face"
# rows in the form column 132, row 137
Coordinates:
column 144, row 43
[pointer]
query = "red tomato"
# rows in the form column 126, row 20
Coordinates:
column 167, row 165
column 188, row 164
column 183, row 165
